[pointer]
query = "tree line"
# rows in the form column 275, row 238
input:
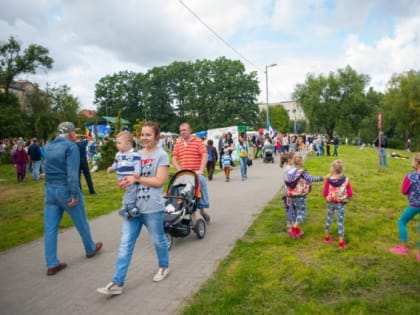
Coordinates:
column 211, row 94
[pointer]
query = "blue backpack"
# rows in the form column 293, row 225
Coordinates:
column 211, row 157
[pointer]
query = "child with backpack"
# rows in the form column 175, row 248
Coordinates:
column 337, row 190
column 411, row 188
column 298, row 182
column 286, row 164
column 226, row 160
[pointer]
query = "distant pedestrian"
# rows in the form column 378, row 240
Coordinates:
column 381, row 143
column 335, row 143
column 242, row 152
column 20, row 160
column 212, row 159
column 226, row 162
column 62, row 193
column 328, row 146
column 84, row 165
column 337, row 190
column 410, row 187
column 35, row 157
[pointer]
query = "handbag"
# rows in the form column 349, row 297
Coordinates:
column 249, row 162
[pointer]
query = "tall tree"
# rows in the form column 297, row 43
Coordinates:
column 63, row 104
column 401, row 107
column 206, row 93
column 368, row 125
column 121, row 91
column 158, row 98
column 279, row 118
column 13, row 62
column 332, row 101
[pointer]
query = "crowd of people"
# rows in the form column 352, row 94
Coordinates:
column 142, row 174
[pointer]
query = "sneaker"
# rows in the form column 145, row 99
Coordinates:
column 298, row 233
column 342, row 245
column 291, row 232
column 328, row 239
column 206, row 217
column 399, row 250
column 110, row 289
column 52, row 271
column 295, row 232
column 98, row 247
column 161, row 274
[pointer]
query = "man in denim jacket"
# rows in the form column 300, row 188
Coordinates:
column 62, row 192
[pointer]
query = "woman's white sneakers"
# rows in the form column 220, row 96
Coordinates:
column 161, row 274
column 114, row 289
column 110, row 289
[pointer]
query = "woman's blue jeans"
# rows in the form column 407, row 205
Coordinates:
column 242, row 162
column 130, row 231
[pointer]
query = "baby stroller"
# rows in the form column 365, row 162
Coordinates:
column 268, row 153
column 182, row 196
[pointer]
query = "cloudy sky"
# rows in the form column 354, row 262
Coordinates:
column 91, row 39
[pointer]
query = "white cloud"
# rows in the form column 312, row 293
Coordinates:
column 91, row 39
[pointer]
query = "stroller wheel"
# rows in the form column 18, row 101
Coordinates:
column 200, row 228
column 170, row 240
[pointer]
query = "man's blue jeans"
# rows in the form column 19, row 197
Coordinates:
column 56, row 200
column 204, row 200
column 36, row 168
column 382, row 157
column 130, row 231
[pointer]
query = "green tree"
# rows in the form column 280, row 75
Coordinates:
column 13, row 121
column 401, row 108
column 157, row 98
column 368, row 126
column 333, row 102
column 13, row 62
column 205, row 93
column 63, row 104
column 121, row 91
column 279, row 118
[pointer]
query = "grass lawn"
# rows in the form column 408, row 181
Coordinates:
column 22, row 205
column 269, row 273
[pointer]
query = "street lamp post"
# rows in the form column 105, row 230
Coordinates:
column 266, row 87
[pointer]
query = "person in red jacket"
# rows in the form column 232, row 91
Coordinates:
column 337, row 190
column 20, row 159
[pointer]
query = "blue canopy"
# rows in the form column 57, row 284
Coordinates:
column 201, row 134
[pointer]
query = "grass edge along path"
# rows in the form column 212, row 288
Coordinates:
column 269, row 273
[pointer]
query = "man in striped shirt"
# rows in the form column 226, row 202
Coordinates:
column 191, row 153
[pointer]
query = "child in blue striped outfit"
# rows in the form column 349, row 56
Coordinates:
column 127, row 162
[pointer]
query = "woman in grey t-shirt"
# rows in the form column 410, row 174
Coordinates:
column 150, row 202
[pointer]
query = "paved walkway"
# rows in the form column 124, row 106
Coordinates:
column 26, row 289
